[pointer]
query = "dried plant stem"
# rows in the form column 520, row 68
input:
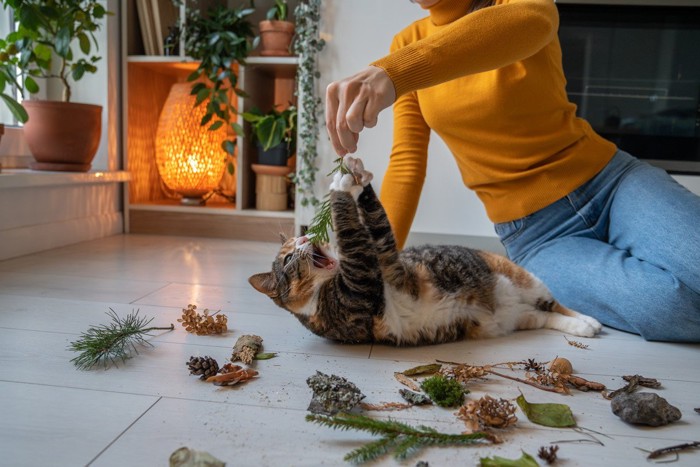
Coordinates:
column 678, row 447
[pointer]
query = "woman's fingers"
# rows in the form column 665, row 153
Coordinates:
column 353, row 104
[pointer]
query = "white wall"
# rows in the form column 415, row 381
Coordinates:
column 358, row 32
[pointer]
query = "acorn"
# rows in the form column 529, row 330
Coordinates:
column 561, row 366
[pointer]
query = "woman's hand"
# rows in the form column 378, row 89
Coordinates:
column 354, row 103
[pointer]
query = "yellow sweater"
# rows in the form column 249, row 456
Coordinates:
column 491, row 85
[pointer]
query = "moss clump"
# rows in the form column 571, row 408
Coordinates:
column 445, row 392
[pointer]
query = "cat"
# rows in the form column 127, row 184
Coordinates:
column 370, row 292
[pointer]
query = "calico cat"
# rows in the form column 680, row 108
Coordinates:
column 371, row 292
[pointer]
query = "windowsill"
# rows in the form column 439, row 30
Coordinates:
column 26, row 178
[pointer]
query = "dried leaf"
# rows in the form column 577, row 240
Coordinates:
column 265, row 356
column 235, row 375
column 552, row 415
column 643, row 381
column 406, row 381
column 487, row 412
column 526, row 460
column 423, row 370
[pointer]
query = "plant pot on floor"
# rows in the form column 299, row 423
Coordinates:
column 276, row 38
column 62, row 136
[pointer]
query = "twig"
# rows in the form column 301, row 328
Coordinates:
column 678, row 447
column 487, row 369
column 384, row 406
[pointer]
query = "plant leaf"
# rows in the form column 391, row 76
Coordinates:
column 526, row 460
column 265, row 355
column 17, row 110
column 423, row 370
column 552, row 415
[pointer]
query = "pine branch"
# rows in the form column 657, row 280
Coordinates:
column 322, row 223
column 109, row 342
column 404, row 440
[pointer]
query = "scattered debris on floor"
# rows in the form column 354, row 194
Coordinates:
column 444, row 391
column 526, row 460
column 231, row 374
column 548, row 453
column 486, row 413
column 415, row 398
column 673, row 450
column 577, row 344
column 118, row 340
column 203, row 366
column 332, row 394
column 547, row 414
column 633, row 383
column 398, row 438
column 246, row 348
column 186, row 457
column 644, row 408
column 203, row 324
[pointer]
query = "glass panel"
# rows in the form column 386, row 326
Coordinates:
column 634, row 73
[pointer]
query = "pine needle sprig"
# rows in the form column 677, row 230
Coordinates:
column 117, row 340
column 322, row 222
column 403, row 439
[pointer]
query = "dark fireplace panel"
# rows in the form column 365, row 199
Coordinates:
column 634, row 73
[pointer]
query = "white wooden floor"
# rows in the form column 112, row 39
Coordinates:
column 139, row 413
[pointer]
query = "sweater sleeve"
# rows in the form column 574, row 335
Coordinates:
column 484, row 40
column 403, row 181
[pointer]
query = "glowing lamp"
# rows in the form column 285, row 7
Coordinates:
column 189, row 157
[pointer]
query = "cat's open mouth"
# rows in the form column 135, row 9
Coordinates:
column 322, row 260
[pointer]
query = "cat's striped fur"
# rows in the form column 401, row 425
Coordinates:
column 368, row 291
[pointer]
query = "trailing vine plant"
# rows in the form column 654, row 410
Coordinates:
column 307, row 45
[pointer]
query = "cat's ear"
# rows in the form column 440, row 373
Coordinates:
column 283, row 238
column 263, row 282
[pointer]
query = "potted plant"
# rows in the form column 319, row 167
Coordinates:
column 275, row 133
column 219, row 39
column 276, row 32
column 61, row 135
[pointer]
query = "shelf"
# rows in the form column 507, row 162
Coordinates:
column 25, row 178
column 210, row 208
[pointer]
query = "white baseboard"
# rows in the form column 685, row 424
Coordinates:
column 31, row 239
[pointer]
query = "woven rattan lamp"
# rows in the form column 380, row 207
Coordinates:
column 189, row 157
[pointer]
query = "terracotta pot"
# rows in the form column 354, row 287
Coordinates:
column 276, row 38
column 62, row 136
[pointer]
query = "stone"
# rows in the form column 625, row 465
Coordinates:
column 332, row 394
column 644, row 408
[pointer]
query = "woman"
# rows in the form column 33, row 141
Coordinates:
column 610, row 235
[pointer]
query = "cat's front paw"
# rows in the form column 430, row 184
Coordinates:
column 357, row 169
column 346, row 183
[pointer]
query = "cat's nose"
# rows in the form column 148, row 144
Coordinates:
column 301, row 240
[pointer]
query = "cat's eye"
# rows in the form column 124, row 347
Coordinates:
column 287, row 259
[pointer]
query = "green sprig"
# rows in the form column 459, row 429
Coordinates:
column 404, row 440
column 114, row 341
column 322, row 223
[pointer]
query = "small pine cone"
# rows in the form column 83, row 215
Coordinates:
column 204, row 366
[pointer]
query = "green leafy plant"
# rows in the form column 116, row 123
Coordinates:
column 307, row 45
column 219, row 39
column 404, row 440
column 445, row 392
column 322, row 223
column 114, row 341
column 43, row 45
column 274, row 127
column 278, row 12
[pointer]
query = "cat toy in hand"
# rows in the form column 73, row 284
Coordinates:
column 363, row 289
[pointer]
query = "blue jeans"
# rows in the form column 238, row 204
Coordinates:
column 623, row 248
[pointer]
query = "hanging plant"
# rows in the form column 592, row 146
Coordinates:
column 308, row 44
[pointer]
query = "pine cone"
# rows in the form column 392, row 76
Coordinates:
column 204, row 366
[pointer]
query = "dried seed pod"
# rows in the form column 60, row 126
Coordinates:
column 203, row 324
column 487, row 412
column 246, row 347
column 561, row 366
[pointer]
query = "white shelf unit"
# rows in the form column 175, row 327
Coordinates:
column 269, row 81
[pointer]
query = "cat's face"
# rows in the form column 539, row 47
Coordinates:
column 297, row 271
